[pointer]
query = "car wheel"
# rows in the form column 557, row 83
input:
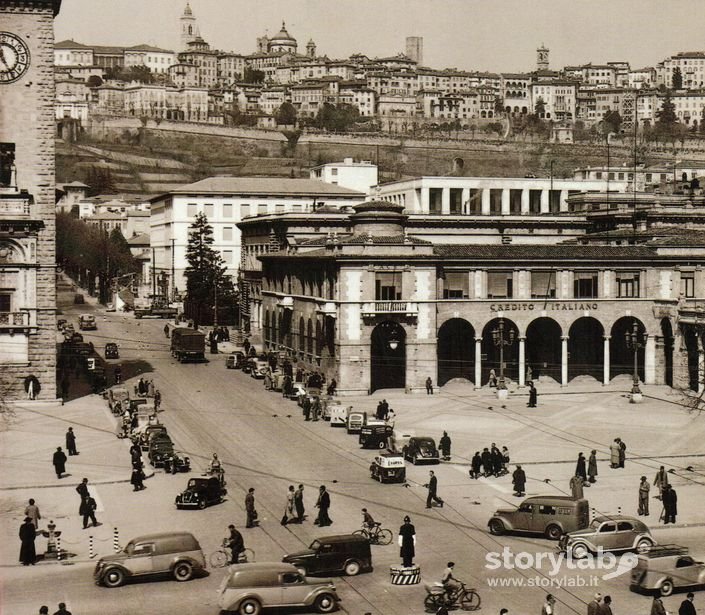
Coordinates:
column 202, row 503
column 667, row 587
column 497, row 527
column 381, row 444
column 183, row 571
column 579, row 551
column 352, row 568
column 553, row 532
column 114, row 577
column 643, row 545
column 249, row 606
column 325, row 603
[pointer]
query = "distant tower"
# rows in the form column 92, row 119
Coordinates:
column 311, row 49
column 262, row 44
column 542, row 58
column 414, row 49
column 189, row 28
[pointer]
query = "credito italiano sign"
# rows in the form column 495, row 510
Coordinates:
column 549, row 306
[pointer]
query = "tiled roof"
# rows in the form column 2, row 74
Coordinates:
column 148, row 48
column 70, row 45
column 265, row 186
column 365, row 239
column 141, row 239
column 531, row 252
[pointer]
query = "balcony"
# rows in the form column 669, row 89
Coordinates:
column 327, row 309
column 286, row 303
column 399, row 308
column 14, row 320
column 15, row 205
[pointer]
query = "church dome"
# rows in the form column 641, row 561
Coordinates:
column 282, row 35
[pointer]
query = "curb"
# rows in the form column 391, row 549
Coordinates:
column 535, row 463
column 96, row 482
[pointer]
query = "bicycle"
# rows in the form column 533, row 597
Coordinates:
column 221, row 557
column 436, row 597
column 376, row 535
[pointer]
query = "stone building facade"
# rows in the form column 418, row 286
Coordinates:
column 27, row 198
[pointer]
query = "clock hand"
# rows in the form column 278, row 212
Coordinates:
column 2, row 58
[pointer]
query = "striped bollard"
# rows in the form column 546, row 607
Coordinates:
column 593, row 512
column 58, row 547
column 619, row 510
column 91, row 551
column 401, row 575
column 116, row 540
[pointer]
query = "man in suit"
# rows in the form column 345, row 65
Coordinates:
column 432, row 486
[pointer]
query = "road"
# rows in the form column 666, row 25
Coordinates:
column 264, row 443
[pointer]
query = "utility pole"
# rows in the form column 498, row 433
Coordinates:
column 154, row 275
column 173, row 269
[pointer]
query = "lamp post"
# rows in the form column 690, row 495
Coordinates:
column 635, row 341
column 499, row 341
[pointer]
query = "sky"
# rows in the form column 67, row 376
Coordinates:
column 492, row 35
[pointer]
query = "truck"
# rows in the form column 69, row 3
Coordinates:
column 188, row 345
column 159, row 308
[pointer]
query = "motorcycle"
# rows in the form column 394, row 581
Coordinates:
column 436, row 597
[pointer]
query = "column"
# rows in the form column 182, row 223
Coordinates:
column 525, row 196
column 564, row 360
column 445, row 201
column 505, row 201
column 606, row 359
column 465, row 201
column 701, row 370
column 544, row 201
column 650, row 360
column 478, row 362
column 424, row 200
column 485, row 201
column 522, row 361
column 562, row 205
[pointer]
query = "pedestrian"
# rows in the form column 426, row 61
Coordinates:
column 657, row 607
column 332, row 387
column 593, row 607
column 519, row 481
column 592, row 466
column 379, row 412
column 444, row 445
column 316, row 408
column 614, row 453
column 250, row 508
column 27, row 533
column 87, row 509
column 150, row 388
column 235, row 543
column 580, row 467
column 492, row 382
column 157, row 400
column 432, row 487
column 246, row 348
column 65, row 386
column 533, row 395
column 82, row 488
column 576, row 487
column 299, row 504
column 43, row 610
column 59, row 461
column 476, row 465
column 166, row 331
column 307, row 408
column 670, row 504
column 289, row 508
column 429, row 386
column 323, row 504
column 407, row 543
column 62, row 610
column 141, row 387
column 547, row 608
column 486, row 462
column 644, row 497
column 661, row 481
column 496, row 455
column 390, row 417
column 622, row 452
column 505, row 461
column 687, row 607
column 137, row 478
column 71, row 442
column 32, row 511
column 606, row 608
column 117, row 374
column 32, row 386
column 135, row 454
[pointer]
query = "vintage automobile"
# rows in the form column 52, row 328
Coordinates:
column 235, row 360
column 666, row 568
column 111, row 351
column 201, row 492
column 550, row 515
column 614, row 533
column 339, row 414
column 116, row 396
column 353, row 423
column 347, row 553
column 375, row 436
column 388, row 468
column 399, row 439
column 175, row 463
column 298, row 390
column 60, row 323
column 86, row 322
column 421, row 449
column 171, row 553
column 146, row 434
column 248, row 588
column 258, row 368
column 160, row 447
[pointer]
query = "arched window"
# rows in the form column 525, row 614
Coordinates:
column 302, row 334
column 309, row 337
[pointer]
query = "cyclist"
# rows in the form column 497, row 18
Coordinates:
column 235, row 543
column 367, row 521
column 451, row 584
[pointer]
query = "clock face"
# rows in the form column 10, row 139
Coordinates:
column 14, row 57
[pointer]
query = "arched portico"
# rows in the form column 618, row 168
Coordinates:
column 667, row 342
column 586, row 349
column 621, row 356
column 388, row 356
column 455, row 351
column 543, row 348
column 491, row 351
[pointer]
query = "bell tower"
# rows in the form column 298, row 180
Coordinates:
column 542, row 58
column 189, row 27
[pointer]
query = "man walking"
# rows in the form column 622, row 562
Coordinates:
column 444, row 445
column 250, row 508
column 533, row 395
column 547, row 608
column 644, row 497
column 687, row 607
column 661, row 481
column 614, row 453
column 87, row 509
column 606, row 608
column 580, row 467
column 429, row 386
column 657, row 607
column 323, row 504
column 670, row 504
column 82, row 489
column 622, row 452
column 59, row 461
column 299, row 504
column 71, row 442
column 593, row 607
column 519, row 481
column 576, row 487
column 432, row 486
column 32, row 511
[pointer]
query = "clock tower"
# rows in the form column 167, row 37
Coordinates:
column 542, row 58
column 27, row 200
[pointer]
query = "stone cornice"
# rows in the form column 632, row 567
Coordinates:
column 34, row 4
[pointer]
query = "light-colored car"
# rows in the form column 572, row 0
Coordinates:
column 399, row 439
column 86, row 322
column 665, row 568
column 550, row 515
column 258, row 368
column 354, row 422
column 388, row 467
column 116, row 396
column 248, row 588
column 174, row 553
column 616, row 533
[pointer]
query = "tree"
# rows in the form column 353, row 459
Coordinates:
column 677, row 79
column 540, row 108
column 612, row 121
column 141, row 74
column 252, row 75
column 94, row 81
column 286, row 114
column 667, row 125
column 100, row 181
column 337, row 118
column 206, row 273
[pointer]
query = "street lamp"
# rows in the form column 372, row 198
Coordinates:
column 393, row 343
column 635, row 341
column 499, row 341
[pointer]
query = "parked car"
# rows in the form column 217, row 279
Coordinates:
column 248, row 588
column 79, row 299
column 665, row 568
column 388, row 468
column 399, row 439
column 339, row 414
column 235, row 360
column 421, row 449
column 616, row 533
column 60, row 323
column 375, row 436
column 144, row 435
column 201, row 492
column 116, row 396
column 111, row 351
column 258, row 368
column 354, row 422
column 160, row 447
column 86, row 322
column 344, row 553
column 298, row 390
column 551, row 515
column 174, row 553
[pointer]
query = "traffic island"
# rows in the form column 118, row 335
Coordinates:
column 405, row 575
